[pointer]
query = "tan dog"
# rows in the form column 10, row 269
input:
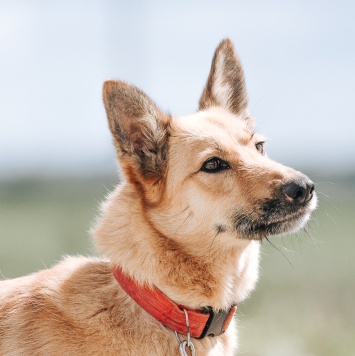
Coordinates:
column 185, row 225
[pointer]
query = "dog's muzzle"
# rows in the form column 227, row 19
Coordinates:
column 287, row 209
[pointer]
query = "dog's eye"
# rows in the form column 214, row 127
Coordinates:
column 260, row 147
column 214, row 165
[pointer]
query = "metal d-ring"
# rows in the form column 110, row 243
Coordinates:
column 186, row 343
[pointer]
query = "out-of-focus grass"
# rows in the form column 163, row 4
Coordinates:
column 42, row 220
column 303, row 304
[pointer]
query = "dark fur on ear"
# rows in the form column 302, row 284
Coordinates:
column 225, row 85
column 140, row 130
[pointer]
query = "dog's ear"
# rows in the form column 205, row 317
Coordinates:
column 225, row 85
column 140, row 130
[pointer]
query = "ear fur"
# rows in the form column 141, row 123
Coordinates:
column 225, row 85
column 139, row 129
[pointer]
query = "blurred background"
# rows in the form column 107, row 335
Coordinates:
column 57, row 160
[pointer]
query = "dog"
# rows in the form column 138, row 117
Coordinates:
column 180, row 235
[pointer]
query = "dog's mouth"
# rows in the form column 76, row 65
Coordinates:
column 273, row 217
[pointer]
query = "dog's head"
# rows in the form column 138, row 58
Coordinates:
column 205, row 174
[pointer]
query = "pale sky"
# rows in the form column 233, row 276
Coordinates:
column 298, row 57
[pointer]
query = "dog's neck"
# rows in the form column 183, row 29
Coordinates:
column 194, row 277
column 200, row 323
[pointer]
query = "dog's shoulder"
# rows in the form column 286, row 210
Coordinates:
column 69, row 297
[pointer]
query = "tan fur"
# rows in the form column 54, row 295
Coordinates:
column 168, row 224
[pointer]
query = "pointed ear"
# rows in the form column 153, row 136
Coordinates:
column 225, row 85
column 139, row 129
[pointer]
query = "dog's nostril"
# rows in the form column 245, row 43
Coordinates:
column 299, row 194
column 311, row 188
column 299, row 191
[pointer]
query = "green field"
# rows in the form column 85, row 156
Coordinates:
column 303, row 304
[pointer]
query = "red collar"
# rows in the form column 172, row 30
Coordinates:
column 203, row 322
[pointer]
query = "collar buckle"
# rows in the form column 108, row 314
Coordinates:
column 217, row 322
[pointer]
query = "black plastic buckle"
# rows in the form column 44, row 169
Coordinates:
column 214, row 325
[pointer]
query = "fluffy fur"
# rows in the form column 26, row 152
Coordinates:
column 197, row 197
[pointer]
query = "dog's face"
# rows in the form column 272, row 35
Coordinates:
column 206, row 174
column 218, row 167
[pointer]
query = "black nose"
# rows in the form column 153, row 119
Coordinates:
column 299, row 191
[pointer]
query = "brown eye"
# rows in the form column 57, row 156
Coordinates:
column 214, row 165
column 260, row 147
column 211, row 165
